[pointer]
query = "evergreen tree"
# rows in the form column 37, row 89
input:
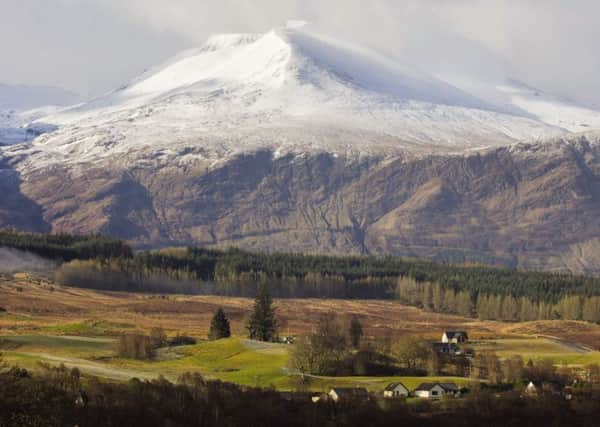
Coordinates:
column 262, row 325
column 355, row 331
column 219, row 326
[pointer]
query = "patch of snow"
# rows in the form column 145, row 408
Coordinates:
column 518, row 98
column 17, row 127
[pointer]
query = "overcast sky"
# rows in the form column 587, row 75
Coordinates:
column 91, row 46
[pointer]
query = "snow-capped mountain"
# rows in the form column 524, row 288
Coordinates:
column 292, row 91
column 292, row 141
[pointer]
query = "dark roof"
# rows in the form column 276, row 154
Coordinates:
column 426, row 386
column 392, row 386
column 452, row 334
column 350, row 391
column 449, row 386
column 446, row 386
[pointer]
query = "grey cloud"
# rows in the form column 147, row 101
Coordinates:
column 92, row 45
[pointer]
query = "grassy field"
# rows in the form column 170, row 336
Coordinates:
column 49, row 323
column 235, row 360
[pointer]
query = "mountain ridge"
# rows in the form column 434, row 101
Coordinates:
column 288, row 141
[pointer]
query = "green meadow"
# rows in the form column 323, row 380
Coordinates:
column 234, row 360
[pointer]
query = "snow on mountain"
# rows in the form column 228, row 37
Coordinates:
column 23, row 126
column 291, row 91
column 551, row 109
column 519, row 98
column 21, row 105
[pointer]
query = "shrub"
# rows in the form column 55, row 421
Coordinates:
column 158, row 338
column 135, row 346
column 180, row 340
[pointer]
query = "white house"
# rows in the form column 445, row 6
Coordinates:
column 395, row 390
column 446, row 348
column 436, row 390
column 455, row 337
column 429, row 391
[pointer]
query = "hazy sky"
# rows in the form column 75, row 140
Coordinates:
column 91, row 46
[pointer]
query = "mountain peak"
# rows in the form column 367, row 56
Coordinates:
column 224, row 41
column 289, row 90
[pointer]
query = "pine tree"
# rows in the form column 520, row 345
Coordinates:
column 355, row 331
column 262, row 325
column 219, row 326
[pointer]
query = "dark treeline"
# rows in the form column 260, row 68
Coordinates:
column 60, row 397
column 297, row 275
column 488, row 292
column 65, row 247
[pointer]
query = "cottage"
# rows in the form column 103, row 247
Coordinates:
column 395, row 390
column 342, row 393
column 436, row 390
column 429, row 391
column 455, row 337
column 451, row 389
column 446, row 348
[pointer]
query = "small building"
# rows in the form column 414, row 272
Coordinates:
column 436, row 390
column 395, row 390
column 451, row 389
column 347, row 393
column 446, row 348
column 455, row 337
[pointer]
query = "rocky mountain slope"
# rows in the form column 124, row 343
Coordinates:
column 291, row 141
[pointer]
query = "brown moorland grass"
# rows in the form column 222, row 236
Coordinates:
column 40, row 307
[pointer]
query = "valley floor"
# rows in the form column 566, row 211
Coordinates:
column 49, row 323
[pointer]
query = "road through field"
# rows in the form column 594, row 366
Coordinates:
column 570, row 345
column 91, row 368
